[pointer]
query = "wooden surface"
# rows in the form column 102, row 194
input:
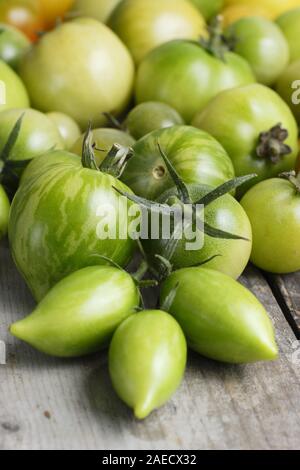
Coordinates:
column 47, row 403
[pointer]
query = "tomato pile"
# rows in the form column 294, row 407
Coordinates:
column 114, row 110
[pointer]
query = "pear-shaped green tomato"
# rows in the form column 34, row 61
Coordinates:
column 13, row 93
column 4, row 212
column 147, row 359
column 67, row 127
column 80, row 314
column 221, row 319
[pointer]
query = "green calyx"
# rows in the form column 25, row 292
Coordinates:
column 217, row 44
column 293, row 178
column 271, row 145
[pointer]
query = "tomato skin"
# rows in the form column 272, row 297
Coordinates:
column 252, row 109
column 76, row 318
column 67, row 127
column 24, row 15
column 183, row 75
column 4, row 212
column 208, row 8
column 98, row 9
column 263, row 45
column 150, row 116
column 288, row 88
column 57, row 234
column 271, row 9
column 197, row 157
column 147, row 360
column 289, row 23
column 224, row 214
column 13, row 45
column 76, row 69
column 104, row 139
column 53, row 10
column 14, row 91
column 273, row 207
column 144, row 25
column 220, row 318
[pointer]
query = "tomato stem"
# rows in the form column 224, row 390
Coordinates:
column 293, row 178
column 217, row 44
column 271, row 144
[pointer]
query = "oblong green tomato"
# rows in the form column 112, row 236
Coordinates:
column 63, row 218
column 288, row 87
column 144, row 25
column 263, row 45
column 225, row 214
column 98, row 9
column 82, row 69
column 13, row 93
column 80, row 314
column 13, row 45
column 150, row 116
column 289, row 23
column 273, row 207
column 67, row 127
column 220, row 318
column 147, row 359
column 4, row 212
column 197, row 157
column 104, row 139
column 237, row 118
column 208, row 8
column 185, row 76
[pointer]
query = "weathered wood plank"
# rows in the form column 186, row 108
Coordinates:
column 47, row 403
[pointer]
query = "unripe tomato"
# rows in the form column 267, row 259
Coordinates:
column 289, row 23
column 53, row 10
column 236, row 9
column 24, row 15
column 13, row 45
column 67, row 127
column 4, row 212
column 288, row 87
column 98, row 9
column 208, row 8
column 13, row 93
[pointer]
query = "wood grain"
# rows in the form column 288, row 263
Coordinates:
column 47, row 403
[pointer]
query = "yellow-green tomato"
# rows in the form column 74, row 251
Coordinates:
column 80, row 314
column 288, row 87
column 145, row 24
column 104, row 139
column 67, row 127
column 98, row 9
column 220, row 318
column 13, row 45
column 273, row 208
column 147, row 359
column 4, row 212
column 82, row 69
column 263, row 45
column 13, row 93
column 208, row 8
column 289, row 23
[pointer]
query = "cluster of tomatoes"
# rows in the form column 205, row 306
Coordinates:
column 110, row 106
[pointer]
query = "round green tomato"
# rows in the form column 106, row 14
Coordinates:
column 67, row 127
column 104, row 139
column 64, row 218
column 185, row 76
column 13, row 45
column 225, row 214
column 208, row 8
column 144, row 25
column 288, row 87
column 220, row 318
column 289, row 23
column 80, row 314
column 82, row 69
column 273, row 208
column 4, row 212
column 150, row 116
column 239, row 119
column 147, row 360
column 13, row 93
column 197, row 157
column 98, row 9
column 263, row 45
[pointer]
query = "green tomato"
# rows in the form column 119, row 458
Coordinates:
column 67, row 127
column 208, row 8
column 220, row 318
column 243, row 121
column 289, row 23
column 263, row 45
column 288, row 87
column 273, row 207
column 82, row 69
column 13, row 45
column 4, row 212
column 225, row 214
column 80, row 314
column 150, row 116
column 147, row 360
column 13, row 93
column 144, row 25
column 197, row 157
column 104, row 139
column 59, row 217
column 185, row 76
column 98, row 9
